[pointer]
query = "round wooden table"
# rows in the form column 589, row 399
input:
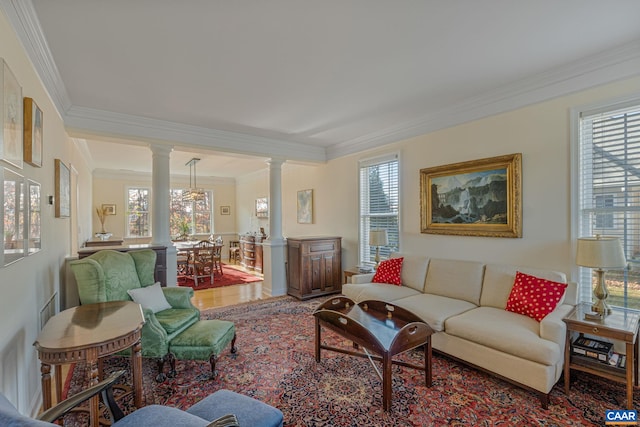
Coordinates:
column 87, row 333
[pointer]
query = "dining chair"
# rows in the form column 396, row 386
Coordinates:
column 217, row 259
column 234, row 251
column 202, row 263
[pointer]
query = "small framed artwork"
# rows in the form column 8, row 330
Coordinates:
column 305, row 207
column 10, row 117
column 13, row 214
column 109, row 209
column 33, row 217
column 62, row 180
column 32, row 133
column 475, row 198
column 262, row 207
column 225, row 210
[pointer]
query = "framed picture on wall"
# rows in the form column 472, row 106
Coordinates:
column 305, row 207
column 475, row 198
column 62, row 181
column 262, row 207
column 32, row 133
column 11, row 117
column 225, row 210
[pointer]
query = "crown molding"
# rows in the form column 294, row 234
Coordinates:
column 22, row 16
column 606, row 67
column 124, row 125
column 205, row 182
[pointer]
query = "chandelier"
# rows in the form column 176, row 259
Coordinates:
column 193, row 194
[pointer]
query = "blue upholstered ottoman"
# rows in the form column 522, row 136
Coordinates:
column 204, row 340
column 250, row 412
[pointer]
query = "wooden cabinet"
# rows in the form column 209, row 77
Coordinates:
column 314, row 266
column 251, row 252
column 160, row 272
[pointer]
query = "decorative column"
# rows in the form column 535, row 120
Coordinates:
column 160, row 186
column 274, row 247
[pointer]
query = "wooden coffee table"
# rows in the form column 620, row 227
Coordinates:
column 379, row 327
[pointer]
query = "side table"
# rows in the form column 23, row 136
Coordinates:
column 620, row 325
column 350, row 272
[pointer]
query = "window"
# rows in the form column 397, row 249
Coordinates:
column 609, row 194
column 190, row 217
column 138, row 219
column 379, row 205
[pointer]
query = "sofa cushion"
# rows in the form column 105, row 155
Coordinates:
column 150, row 297
column 414, row 270
column 533, row 296
column 377, row 291
column 434, row 309
column 498, row 282
column 455, row 279
column 177, row 319
column 505, row 331
column 389, row 271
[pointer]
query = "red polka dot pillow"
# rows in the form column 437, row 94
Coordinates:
column 533, row 296
column 389, row 271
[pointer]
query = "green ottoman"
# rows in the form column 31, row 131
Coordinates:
column 204, row 340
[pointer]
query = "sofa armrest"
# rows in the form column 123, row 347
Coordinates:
column 179, row 297
column 552, row 327
column 362, row 278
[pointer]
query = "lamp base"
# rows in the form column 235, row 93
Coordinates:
column 601, row 293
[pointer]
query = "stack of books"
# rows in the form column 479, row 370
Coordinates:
column 593, row 349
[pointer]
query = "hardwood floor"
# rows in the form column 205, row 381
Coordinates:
column 228, row 295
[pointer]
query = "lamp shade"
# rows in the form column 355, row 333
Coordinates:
column 600, row 252
column 378, row 238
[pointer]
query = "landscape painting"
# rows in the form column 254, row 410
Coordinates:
column 475, row 198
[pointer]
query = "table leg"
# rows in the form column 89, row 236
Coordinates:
column 58, row 375
column 136, row 373
column 45, row 370
column 386, row 381
column 428, row 374
column 567, row 361
column 630, row 369
column 92, row 377
column 317, row 340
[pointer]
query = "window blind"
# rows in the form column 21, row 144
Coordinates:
column 379, row 205
column 609, row 195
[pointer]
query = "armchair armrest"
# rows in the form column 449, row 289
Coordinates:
column 179, row 297
column 104, row 387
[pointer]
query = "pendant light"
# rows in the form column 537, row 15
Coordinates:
column 193, row 194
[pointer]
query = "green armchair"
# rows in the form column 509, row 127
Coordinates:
column 107, row 275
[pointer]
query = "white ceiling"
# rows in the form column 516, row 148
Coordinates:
column 309, row 80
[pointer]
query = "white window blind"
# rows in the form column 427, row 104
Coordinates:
column 609, row 195
column 379, row 205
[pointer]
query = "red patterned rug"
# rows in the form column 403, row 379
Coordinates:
column 230, row 276
column 275, row 363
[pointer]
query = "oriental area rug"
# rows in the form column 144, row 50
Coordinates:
column 275, row 363
column 230, row 276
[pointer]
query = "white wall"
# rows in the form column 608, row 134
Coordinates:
column 26, row 285
column 540, row 132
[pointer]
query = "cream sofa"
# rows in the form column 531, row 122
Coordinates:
column 464, row 302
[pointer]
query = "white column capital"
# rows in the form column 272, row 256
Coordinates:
column 161, row 149
column 275, row 162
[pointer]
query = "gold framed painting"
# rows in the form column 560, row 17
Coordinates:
column 475, row 198
column 32, row 133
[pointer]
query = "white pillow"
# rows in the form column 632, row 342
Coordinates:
column 150, row 297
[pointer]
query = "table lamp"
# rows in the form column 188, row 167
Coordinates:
column 378, row 238
column 601, row 253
